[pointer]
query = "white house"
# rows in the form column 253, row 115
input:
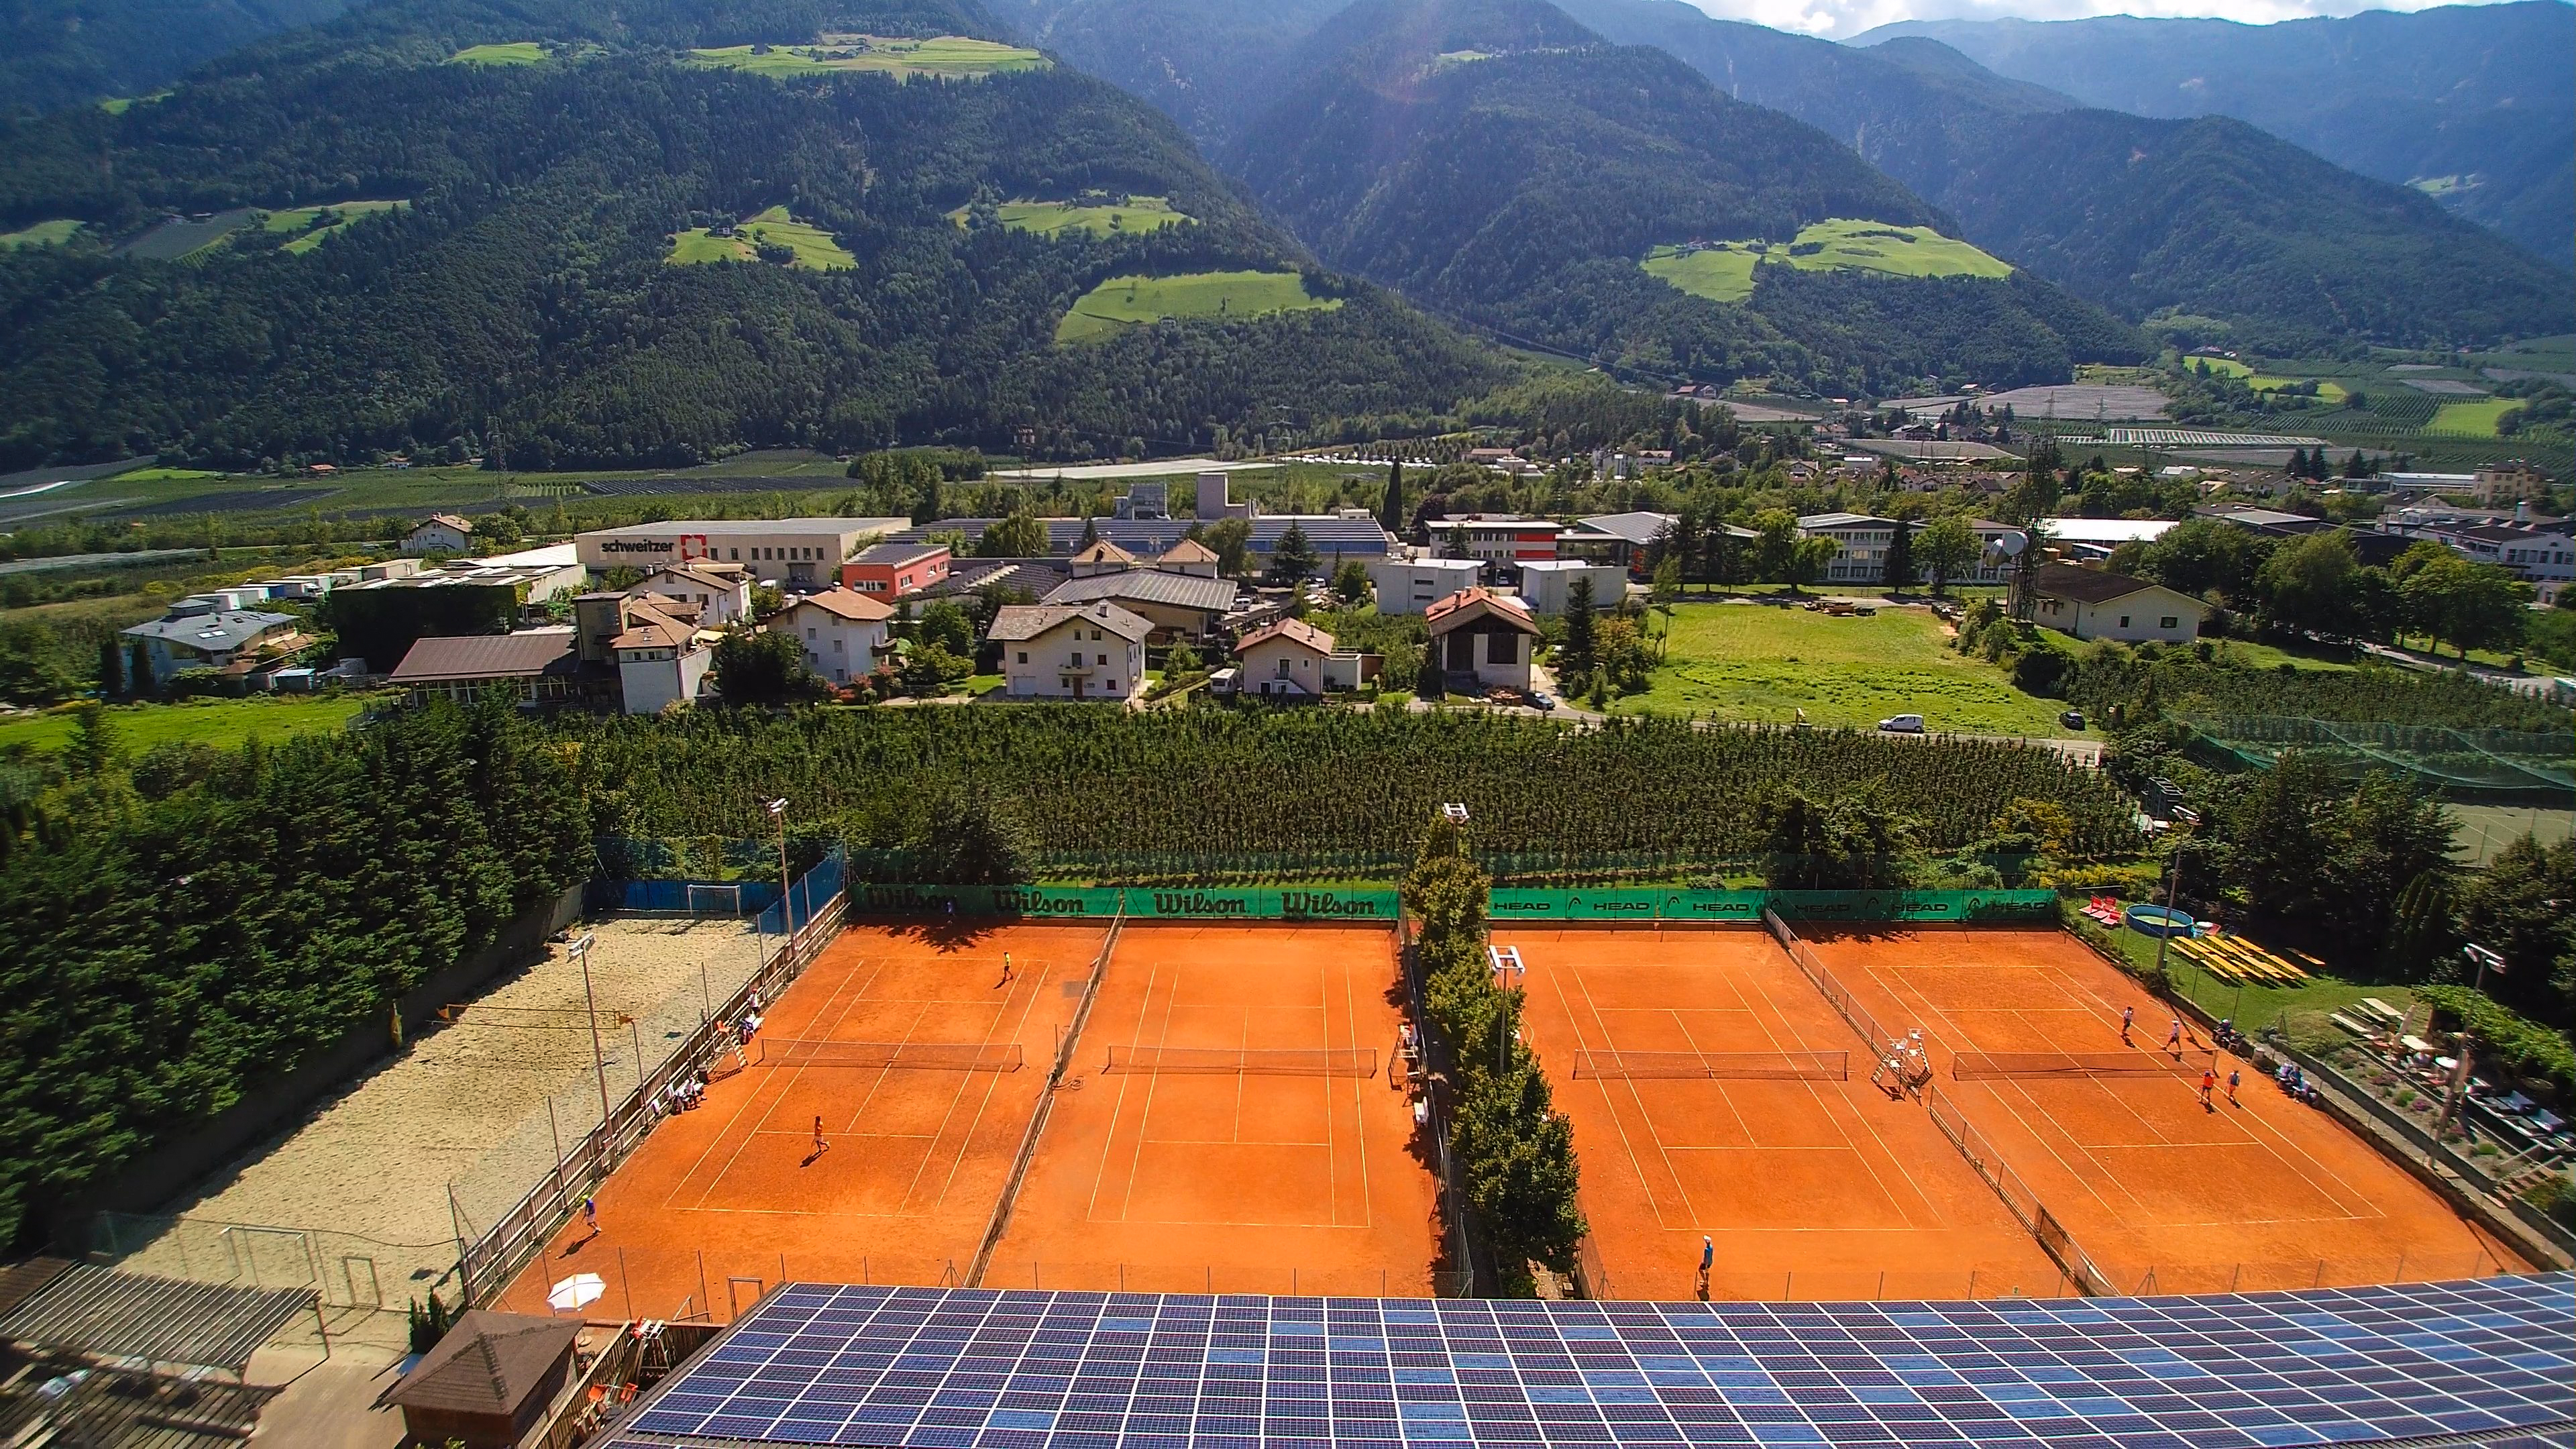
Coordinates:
column 2099, row 604
column 1547, row 585
column 1409, row 586
column 843, row 632
column 195, row 634
column 1501, row 539
column 1861, row 542
column 1071, row 651
column 2543, row 558
column 1286, row 659
column 1484, row 636
column 721, row 592
column 662, row 659
column 1189, row 556
column 440, row 533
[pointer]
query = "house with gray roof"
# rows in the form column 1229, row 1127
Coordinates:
column 197, row 635
column 1180, row 606
column 1093, row 650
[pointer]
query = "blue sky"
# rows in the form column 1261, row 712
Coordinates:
column 1838, row 18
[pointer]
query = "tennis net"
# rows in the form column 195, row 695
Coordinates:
column 1273, row 1062
column 929, row 1056
column 1987, row 1066
column 1727, row 1066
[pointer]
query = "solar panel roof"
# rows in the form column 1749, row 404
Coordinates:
column 978, row 1369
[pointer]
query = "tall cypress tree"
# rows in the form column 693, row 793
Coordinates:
column 1575, row 658
column 1900, row 556
column 1391, row 512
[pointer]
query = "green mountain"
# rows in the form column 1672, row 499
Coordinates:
column 1494, row 159
column 2473, row 104
column 527, row 300
column 2212, row 220
column 57, row 53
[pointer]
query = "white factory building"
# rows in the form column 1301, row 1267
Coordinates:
column 796, row 553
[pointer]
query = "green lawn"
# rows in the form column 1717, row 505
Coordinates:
column 1724, row 272
column 42, row 234
column 1762, row 664
column 221, row 722
column 1098, row 217
column 309, row 220
column 2471, row 417
column 1123, row 302
column 815, row 249
column 2254, row 1005
column 952, row 56
column 508, row 52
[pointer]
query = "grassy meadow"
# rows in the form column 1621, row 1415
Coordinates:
column 224, row 723
column 1723, row 272
column 508, row 52
column 41, row 234
column 2470, row 417
column 815, row 249
column 1762, row 664
column 953, row 57
column 1123, row 302
column 311, row 221
column 1096, row 216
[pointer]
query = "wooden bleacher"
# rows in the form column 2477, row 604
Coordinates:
column 2235, row 958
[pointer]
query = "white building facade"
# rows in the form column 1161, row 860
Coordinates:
column 795, row 553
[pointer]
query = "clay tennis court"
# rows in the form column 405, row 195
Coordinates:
column 722, row 1202
column 1220, row 1178
column 2262, row 1193
column 1810, row 1187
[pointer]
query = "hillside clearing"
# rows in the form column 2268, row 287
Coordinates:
column 507, row 52
column 954, row 57
column 42, row 234
column 814, row 247
column 1723, row 271
column 1096, row 215
column 1123, row 302
column 317, row 223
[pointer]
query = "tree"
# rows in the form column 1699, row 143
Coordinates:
column 1429, row 680
column 1090, row 532
column 1948, row 547
column 945, row 624
column 94, row 748
column 2523, row 908
column 1390, row 513
column 763, row 667
column 2468, row 604
column 1021, row 535
column 1294, row 560
column 2313, row 583
column 1668, row 582
column 111, row 667
column 1775, row 539
column 1808, row 560
column 1852, row 843
column 1351, row 583
column 1576, row 656
column 1183, row 660
column 1900, row 556
column 968, row 837
column 1231, row 541
column 138, row 676
column 931, row 669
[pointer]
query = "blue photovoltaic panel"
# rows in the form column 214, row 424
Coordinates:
column 927, row 1368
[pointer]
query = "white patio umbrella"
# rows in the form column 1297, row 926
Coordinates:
column 575, row 1292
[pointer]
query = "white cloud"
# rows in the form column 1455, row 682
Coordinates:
column 1840, row 18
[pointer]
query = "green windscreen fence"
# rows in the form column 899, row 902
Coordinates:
column 1507, row 906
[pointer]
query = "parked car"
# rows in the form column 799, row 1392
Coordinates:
column 1902, row 724
column 1542, row 699
column 2073, row 719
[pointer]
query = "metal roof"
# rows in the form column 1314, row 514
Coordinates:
column 228, row 629
column 101, row 1311
column 488, row 656
column 1017, row 623
column 1148, row 586
column 980, row 1369
column 1332, row 536
column 2091, row 586
column 1637, row 528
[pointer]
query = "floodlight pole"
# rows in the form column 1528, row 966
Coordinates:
column 2173, row 887
column 598, row 1059
column 2485, row 958
column 786, row 908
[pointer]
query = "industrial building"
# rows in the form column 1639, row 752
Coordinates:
column 795, row 553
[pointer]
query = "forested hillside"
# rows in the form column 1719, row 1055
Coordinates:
column 2473, row 104
column 57, row 53
column 524, row 304
column 2264, row 243
column 1496, row 160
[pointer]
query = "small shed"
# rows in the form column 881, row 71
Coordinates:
column 488, row 1382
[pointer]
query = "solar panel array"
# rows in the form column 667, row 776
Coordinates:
column 978, row 1369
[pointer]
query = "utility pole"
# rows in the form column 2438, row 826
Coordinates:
column 2173, row 884
column 598, row 1060
column 786, row 910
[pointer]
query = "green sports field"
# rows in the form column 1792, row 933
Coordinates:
column 1758, row 663
column 1124, row 302
column 954, row 57
column 220, row 722
column 303, row 218
column 1723, row 272
column 1098, row 217
column 2470, row 417
column 815, row 249
column 42, row 234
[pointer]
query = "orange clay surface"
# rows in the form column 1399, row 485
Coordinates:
column 1809, row 1189
column 2259, row 1193
column 1192, row 1182
column 727, row 1200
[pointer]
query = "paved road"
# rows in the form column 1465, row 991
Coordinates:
column 2537, row 685
column 85, row 560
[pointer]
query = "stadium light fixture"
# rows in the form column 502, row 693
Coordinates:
column 1455, row 811
column 2487, row 961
